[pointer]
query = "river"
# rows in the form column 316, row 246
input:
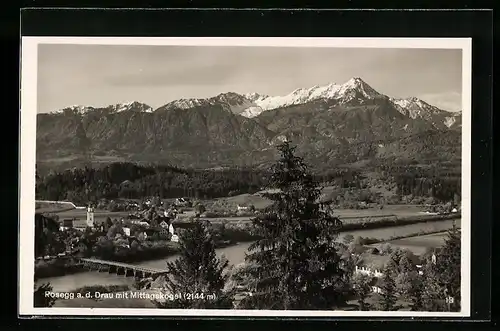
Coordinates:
column 234, row 254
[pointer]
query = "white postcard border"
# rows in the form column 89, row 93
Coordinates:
column 28, row 111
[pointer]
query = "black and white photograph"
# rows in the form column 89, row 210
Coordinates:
column 245, row 176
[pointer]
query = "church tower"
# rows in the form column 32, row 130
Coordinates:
column 90, row 216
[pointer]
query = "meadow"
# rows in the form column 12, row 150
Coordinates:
column 420, row 244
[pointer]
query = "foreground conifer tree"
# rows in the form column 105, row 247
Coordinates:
column 448, row 266
column 40, row 299
column 388, row 287
column 197, row 279
column 295, row 264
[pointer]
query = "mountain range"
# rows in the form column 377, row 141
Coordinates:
column 330, row 124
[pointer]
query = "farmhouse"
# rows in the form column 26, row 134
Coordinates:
column 372, row 264
column 182, row 202
column 68, row 223
column 242, row 208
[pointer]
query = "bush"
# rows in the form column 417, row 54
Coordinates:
column 386, row 249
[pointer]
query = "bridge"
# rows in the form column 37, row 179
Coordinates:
column 120, row 268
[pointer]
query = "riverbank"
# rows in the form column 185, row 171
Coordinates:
column 243, row 231
column 398, row 221
column 368, row 241
column 66, row 266
column 235, row 255
column 55, row 268
column 230, row 234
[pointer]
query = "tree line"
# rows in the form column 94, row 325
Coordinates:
column 443, row 189
column 133, row 181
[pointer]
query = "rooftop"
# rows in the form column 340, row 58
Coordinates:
column 374, row 261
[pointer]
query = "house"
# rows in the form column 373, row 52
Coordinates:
column 377, row 286
column 243, row 208
column 182, row 202
column 139, row 222
column 377, row 273
column 68, row 223
column 163, row 224
column 372, row 264
column 90, row 217
column 126, row 231
column 170, row 213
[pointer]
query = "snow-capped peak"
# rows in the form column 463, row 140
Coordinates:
column 253, row 104
column 358, row 84
column 350, row 90
column 79, row 109
column 131, row 106
column 254, row 96
column 353, row 92
column 415, row 107
column 116, row 108
column 187, row 103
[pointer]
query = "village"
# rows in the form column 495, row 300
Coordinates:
column 151, row 225
column 155, row 222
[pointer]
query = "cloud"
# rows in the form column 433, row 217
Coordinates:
column 450, row 100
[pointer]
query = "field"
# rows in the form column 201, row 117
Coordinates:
column 261, row 202
column 52, row 207
column 418, row 244
column 81, row 215
column 389, row 210
column 243, row 199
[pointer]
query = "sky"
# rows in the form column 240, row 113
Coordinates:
column 100, row 75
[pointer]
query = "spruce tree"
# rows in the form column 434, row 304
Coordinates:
column 415, row 293
column 198, row 277
column 295, row 264
column 409, row 287
column 448, row 266
column 362, row 288
column 40, row 299
column 388, row 287
column 432, row 292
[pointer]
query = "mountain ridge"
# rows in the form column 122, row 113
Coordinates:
column 331, row 124
column 253, row 104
